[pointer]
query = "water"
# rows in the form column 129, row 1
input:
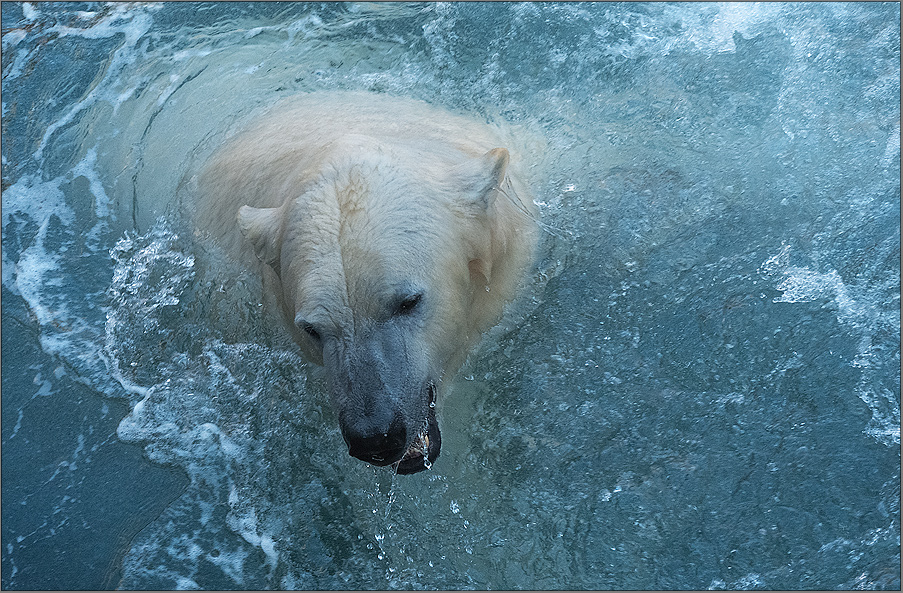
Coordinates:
column 700, row 390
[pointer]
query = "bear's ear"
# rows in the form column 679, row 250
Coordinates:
column 260, row 227
column 480, row 178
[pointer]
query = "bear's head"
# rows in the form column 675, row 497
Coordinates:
column 385, row 268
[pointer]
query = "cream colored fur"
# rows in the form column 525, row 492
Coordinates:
column 348, row 196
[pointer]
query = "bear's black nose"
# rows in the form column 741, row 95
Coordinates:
column 377, row 439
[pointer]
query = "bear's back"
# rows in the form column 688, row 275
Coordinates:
column 282, row 152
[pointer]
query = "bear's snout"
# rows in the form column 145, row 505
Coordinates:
column 380, row 439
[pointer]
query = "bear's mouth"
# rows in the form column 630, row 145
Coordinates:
column 425, row 448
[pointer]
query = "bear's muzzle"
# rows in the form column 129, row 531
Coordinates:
column 425, row 449
column 380, row 438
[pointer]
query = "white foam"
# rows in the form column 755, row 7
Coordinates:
column 29, row 12
column 306, row 26
column 244, row 522
column 231, row 563
column 184, row 583
column 18, row 65
column 187, row 54
column 892, row 149
column 857, row 311
column 777, row 262
column 884, row 425
column 33, row 274
column 735, row 17
column 36, row 199
column 802, row 285
column 133, row 23
column 12, row 38
column 87, row 168
column 40, row 202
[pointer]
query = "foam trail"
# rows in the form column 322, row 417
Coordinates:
column 802, row 285
column 137, row 23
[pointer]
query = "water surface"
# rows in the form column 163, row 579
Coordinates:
column 700, row 389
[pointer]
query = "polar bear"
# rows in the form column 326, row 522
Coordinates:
column 392, row 233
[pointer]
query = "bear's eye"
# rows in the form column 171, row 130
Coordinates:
column 408, row 304
column 310, row 331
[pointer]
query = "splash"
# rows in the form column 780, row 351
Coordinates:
column 856, row 309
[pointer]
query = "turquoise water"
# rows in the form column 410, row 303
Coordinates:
column 700, row 388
